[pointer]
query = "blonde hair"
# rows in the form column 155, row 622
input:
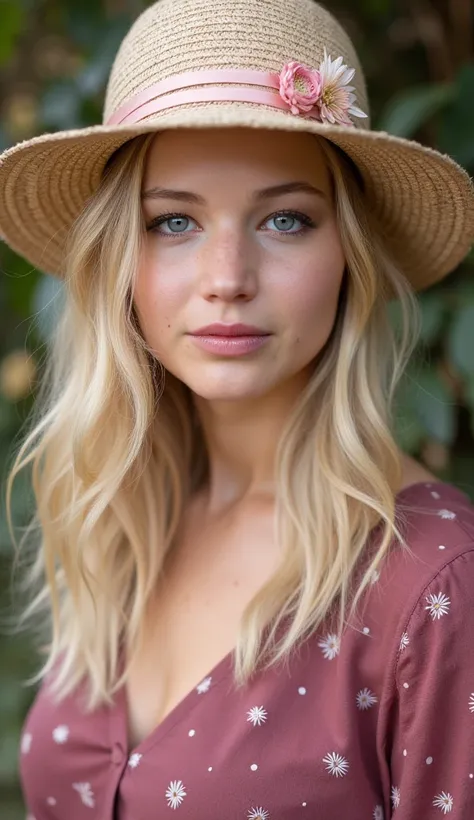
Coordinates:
column 111, row 440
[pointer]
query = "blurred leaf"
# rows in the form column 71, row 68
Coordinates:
column 456, row 130
column 4, row 141
column 433, row 311
column 425, row 397
column 12, row 24
column 93, row 78
column 469, row 398
column 395, row 316
column 60, row 106
column 377, row 8
column 47, row 304
column 91, row 29
column 408, row 432
column 460, row 340
column 469, row 392
column 407, row 112
column 462, row 473
column 9, row 745
column 19, row 279
column 457, row 289
column 85, row 22
column 12, row 696
column 22, row 504
column 8, row 416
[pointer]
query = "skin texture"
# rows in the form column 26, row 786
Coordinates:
column 232, row 260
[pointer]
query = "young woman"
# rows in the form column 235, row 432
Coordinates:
column 252, row 604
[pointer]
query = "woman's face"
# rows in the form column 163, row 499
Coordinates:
column 227, row 257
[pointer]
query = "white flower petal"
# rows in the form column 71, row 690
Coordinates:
column 337, row 765
column 347, row 76
column 444, row 801
column 395, row 797
column 175, row 794
column 356, row 112
column 257, row 715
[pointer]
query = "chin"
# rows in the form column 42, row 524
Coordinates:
column 226, row 391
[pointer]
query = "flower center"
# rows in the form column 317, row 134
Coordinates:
column 328, row 95
column 301, row 84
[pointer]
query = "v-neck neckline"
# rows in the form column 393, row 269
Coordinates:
column 120, row 712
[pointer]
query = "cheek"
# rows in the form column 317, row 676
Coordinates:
column 313, row 303
column 158, row 299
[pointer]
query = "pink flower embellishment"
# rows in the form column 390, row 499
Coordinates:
column 325, row 90
column 300, row 86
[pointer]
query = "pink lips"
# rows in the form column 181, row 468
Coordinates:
column 230, row 340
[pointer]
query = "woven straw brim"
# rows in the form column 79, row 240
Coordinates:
column 422, row 199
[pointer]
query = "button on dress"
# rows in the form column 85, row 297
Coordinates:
column 379, row 724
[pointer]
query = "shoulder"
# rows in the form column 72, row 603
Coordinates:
column 437, row 521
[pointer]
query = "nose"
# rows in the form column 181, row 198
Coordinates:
column 228, row 267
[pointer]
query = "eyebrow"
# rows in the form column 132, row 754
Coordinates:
column 257, row 196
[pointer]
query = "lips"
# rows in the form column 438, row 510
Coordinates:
column 230, row 340
column 219, row 329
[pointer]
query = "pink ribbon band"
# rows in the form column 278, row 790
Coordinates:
column 150, row 100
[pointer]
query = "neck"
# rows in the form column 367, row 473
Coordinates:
column 241, row 439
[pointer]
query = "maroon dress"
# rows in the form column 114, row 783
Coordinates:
column 378, row 725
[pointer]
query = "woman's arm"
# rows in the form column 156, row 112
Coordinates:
column 432, row 751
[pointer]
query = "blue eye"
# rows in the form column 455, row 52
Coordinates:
column 178, row 219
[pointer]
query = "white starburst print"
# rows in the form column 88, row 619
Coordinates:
column 438, row 605
column 375, row 576
column 134, row 760
column 61, row 734
column 86, row 794
column 395, row 797
column 471, row 703
column 257, row 715
column 404, row 641
column 336, row 764
column 366, row 699
column 446, row 514
column 258, row 814
column 26, row 742
column 175, row 794
column 204, row 686
column 330, row 646
column 378, row 813
column 444, row 801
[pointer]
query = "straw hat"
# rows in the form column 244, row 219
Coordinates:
column 274, row 64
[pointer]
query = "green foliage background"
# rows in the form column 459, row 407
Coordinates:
column 54, row 60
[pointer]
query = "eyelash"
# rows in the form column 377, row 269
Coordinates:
column 308, row 223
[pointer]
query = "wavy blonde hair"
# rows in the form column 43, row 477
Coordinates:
column 111, row 441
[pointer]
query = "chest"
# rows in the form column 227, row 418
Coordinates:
column 192, row 622
column 293, row 744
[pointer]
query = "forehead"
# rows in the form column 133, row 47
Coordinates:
column 249, row 156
